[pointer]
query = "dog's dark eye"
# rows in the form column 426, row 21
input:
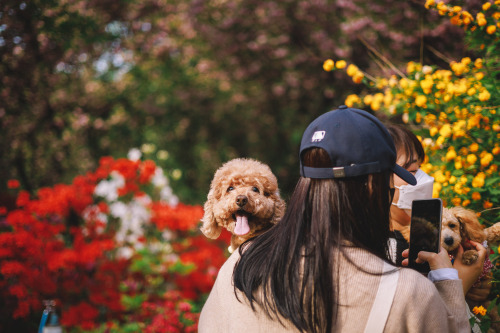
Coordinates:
column 230, row 188
column 451, row 225
column 255, row 189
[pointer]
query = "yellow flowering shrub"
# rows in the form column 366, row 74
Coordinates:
column 456, row 112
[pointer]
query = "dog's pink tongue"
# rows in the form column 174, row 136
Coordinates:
column 242, row 227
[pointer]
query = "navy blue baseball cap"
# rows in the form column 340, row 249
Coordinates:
column 357, row 143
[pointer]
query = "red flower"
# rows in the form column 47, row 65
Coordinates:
column 181, row 217
column 13, row 183
column 147, row 170
column 3, row 210
column 83, row 315
column 22, row 198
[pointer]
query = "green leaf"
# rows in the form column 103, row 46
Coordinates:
column 132, row 302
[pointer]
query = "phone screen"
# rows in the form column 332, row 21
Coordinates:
column 425, row 230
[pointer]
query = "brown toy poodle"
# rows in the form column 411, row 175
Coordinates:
column 243, row 198
column 460, row 225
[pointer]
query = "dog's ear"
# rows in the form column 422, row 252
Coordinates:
column 279, row 208
column 210, row 227
column 493, row 233
column 470, row 228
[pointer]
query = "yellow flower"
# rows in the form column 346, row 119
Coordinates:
column 457, row 67
column 476, row 196
column 491, row 29
column 440, row 141
column 445, row 130
column 487, row 204
column 420, row 100
column 466, row 203
column 427, row 85
column 479, row 76
column 328, row 65
column 439, row 176
column 456, row 201
column 481, row 20
column 493, row 168
column 351, row 100
column 478, row 181
column 496, row 151
column 429, row 3
column 479, row 310
column 410, row 67
column 418, row 118
column 352, row 69
column 358, row 77
column 486, row 6
column 340, row 64
column 474, row 147
column 458, row 164
column 478, row 63
column 471, row 91
column 450, row 155
column 484, row 95
column 436, row 188
column 474, row 121
column 486, row 159
column 471, row 158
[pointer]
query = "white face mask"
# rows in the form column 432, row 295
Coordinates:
column 408, row 193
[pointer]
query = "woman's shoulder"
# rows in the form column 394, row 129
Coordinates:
column 413, row 278
column 226, row 270
column 416, row 286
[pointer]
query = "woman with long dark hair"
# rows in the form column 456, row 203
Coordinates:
column 325, row 267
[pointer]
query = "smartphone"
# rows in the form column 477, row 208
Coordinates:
column 425, row 230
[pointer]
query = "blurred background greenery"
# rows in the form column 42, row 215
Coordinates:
column 192, row 83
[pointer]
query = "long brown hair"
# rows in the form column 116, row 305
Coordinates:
column 294, row 263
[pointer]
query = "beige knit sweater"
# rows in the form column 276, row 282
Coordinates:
column 419, row 305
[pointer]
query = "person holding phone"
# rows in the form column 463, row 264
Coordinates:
column 325, row 267
column 410, row 155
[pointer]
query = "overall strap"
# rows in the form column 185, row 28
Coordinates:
column 383, row 301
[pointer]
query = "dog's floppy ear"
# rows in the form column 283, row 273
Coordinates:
column 279, row 208
column 469, row 224
column 493, row 233
column 210, row 227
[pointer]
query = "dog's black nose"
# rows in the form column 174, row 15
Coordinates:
column 241, row 200
column 449, row 240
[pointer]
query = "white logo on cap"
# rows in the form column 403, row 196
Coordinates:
column 318, row 136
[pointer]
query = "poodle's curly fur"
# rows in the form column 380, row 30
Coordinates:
column 244, row 198
column 458, row 226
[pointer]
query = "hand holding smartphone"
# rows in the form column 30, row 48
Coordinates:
column 425, row 230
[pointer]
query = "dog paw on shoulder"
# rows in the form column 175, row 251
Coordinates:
column 469, row 257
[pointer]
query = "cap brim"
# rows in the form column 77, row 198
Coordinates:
column 404, row 174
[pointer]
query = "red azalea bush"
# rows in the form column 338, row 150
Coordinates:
column 115, row 250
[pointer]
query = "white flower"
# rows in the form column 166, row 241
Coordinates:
column 108, row 189
column 134, row 154
column 159, row 179
column 427, row 69
column 93, row 213
column 118, row 209
column 125, row 252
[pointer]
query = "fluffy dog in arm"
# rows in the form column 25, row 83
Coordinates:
column 243, row 198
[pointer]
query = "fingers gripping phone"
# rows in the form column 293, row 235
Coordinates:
column 425, row 230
